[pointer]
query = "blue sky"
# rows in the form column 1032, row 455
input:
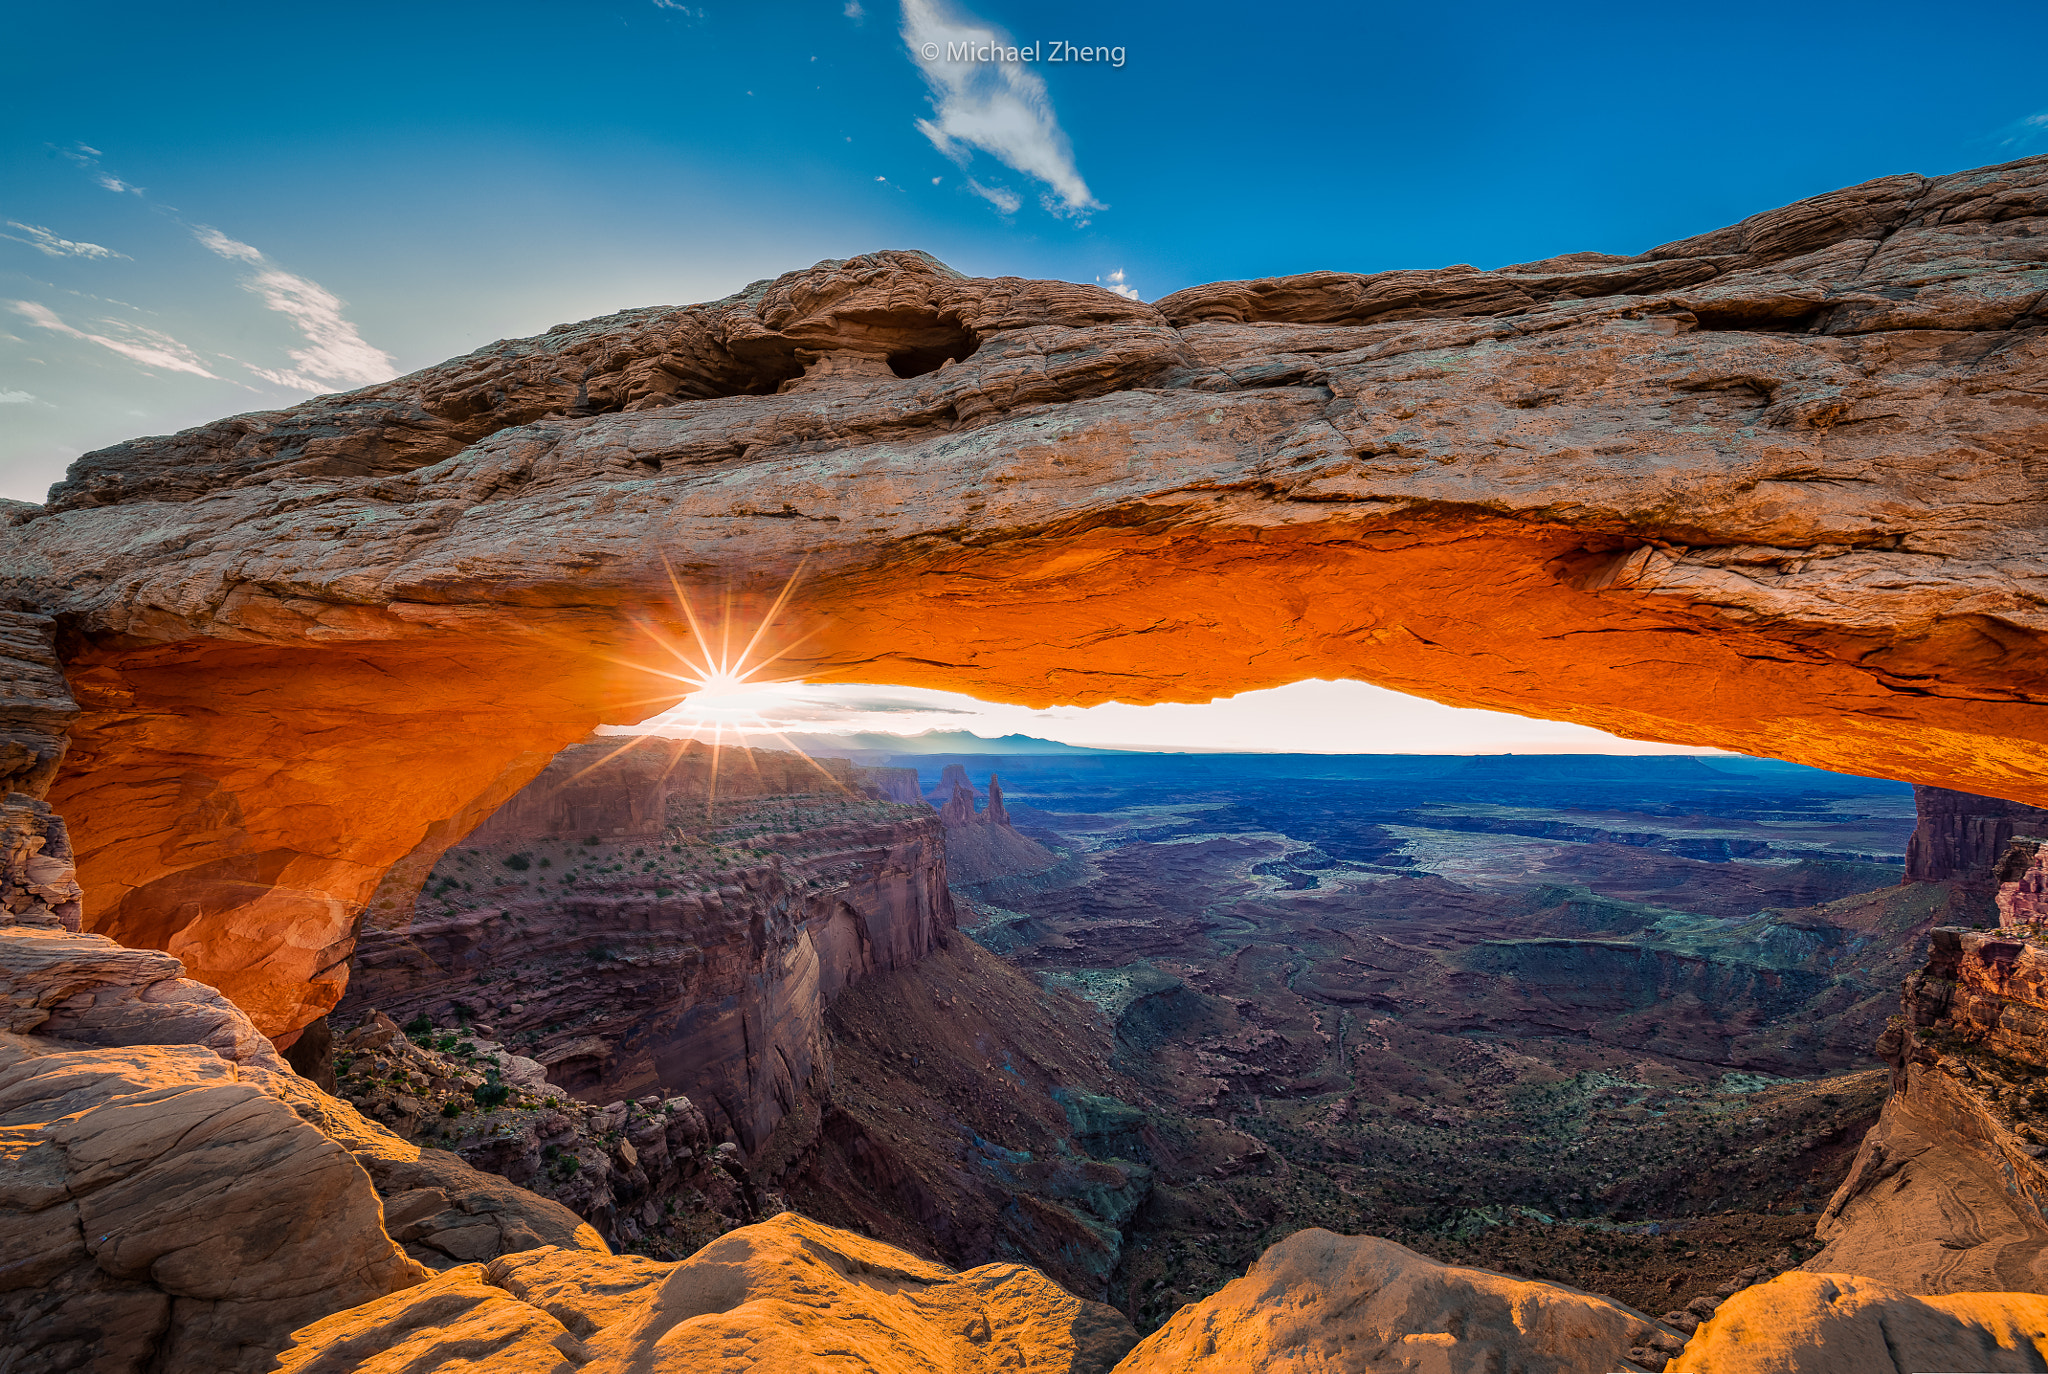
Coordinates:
column 213, row 209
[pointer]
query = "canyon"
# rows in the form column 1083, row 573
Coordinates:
column 1785, row 465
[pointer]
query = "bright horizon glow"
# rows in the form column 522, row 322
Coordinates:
column 1309, row 717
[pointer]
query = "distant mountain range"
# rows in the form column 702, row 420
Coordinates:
column 931, row 742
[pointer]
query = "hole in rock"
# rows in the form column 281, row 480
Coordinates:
column 1771, row 317
column 930, row 357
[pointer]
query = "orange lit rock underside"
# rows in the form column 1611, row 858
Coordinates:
column 1770, row 489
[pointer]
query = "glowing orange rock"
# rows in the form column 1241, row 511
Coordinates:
column 1765, row 489
column 787, row 1296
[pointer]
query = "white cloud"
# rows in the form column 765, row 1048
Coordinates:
column 854, row 12
column 2023, row 132
column 998, row 107
column 148, row 347
column 1116, row 282
column 683, row 10
column 89, row 159
column 226, row 247
column 1002, row 197
column 14, row 398
column 336, row 356
column 48, row 244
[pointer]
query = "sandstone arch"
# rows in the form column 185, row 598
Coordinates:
column 1775, row 488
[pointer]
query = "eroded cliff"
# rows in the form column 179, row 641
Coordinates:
column 641, row 926
column 1947, row 1190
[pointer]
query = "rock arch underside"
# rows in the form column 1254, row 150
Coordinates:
column 1775, row 488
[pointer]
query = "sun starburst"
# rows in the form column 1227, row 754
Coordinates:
column 725, row 687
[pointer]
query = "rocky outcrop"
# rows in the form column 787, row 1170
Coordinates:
column 1783, row 462
column 1320, row 1301
column 981, row 844
column 648, row 1176
column 1842, row 1324
column 241, row 1202
column 161, row 1213
column 787, row 1294
column 693, row 953
column 1946, row 1194
column 38, row 882
column 2022, row 877
column 1962, row 838
column 36, row 709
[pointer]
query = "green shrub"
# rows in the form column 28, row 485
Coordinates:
column 419, row 1025
column 491, row 1094
column 519, row 862
column 451, row 1108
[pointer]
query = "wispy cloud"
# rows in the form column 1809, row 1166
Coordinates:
column 998, row 107
column 1117, row 282
column 15, row 398
column 1002, row 197
column 2024, row 132
column 683, row 10
column 149, row 347
column 854, row 11
column 335, row 356
column 89, row 159
column 48, row 244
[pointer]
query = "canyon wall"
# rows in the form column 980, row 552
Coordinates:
column 648, row 918
column 1962, row 838
column 1786, row 465
column 1947, row 1191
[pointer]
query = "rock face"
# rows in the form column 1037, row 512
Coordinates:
column 38, row 884
column 35, row 702
column 1841, row 1324
column 1318, row 1301
column 645, row 1176
column 1962, row 838
column 161, row 1214
column 176, row 1199
column 1947, row 1191
column 2022, row 877
column 639, row 933
column 1784, row 463
column 784, row 1295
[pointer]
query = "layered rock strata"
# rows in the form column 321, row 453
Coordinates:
column 1842, row 1324
column 1962, row 839
column 696, row 953
column 2022, row 877
column 160, row 1213
column 1785, row 463
column 176, row 1199
column 1947, row 1191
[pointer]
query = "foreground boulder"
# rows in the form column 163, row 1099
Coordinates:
column 1841, row 1324
column 156, row 1213
column 1324, row 1302
column 173, row 1198
column 784, row 1295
